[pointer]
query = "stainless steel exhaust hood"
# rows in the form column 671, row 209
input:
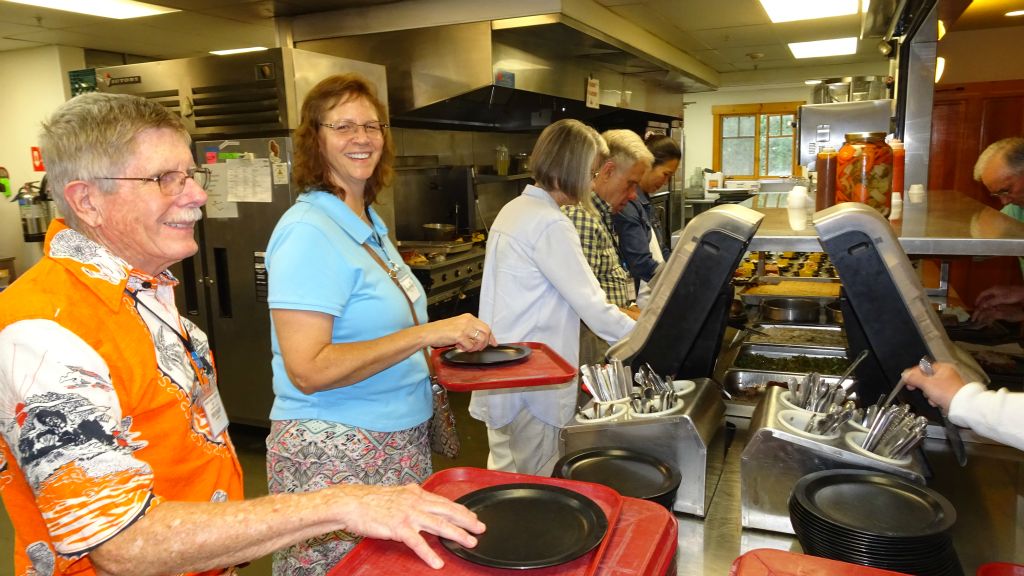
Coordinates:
column 514, row 74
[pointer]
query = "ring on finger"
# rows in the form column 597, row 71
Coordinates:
column 475, row 335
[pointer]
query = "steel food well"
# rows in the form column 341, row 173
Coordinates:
column 834, row 313
column 810, row 336
column 800, row 310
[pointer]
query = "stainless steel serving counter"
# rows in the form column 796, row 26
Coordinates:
column 988, row 496
column 947, row 223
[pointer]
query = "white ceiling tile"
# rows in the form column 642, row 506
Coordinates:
column 757, row 35
column 691, row 15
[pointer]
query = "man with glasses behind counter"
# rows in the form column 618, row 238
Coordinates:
column 114, row 455
column 615, row 182
column 1000, row 168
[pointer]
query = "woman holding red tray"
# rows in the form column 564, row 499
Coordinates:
column 537, row 287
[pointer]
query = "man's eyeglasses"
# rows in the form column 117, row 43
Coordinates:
column 372, row 129
column 1000, row 193
column 171, row 183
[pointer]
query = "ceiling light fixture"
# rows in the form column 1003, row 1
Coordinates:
column 1015, row 13
column 237, row 50
column 812, row 82
column 119, row 9
column 821, row 48
column 942, row 29
column 792, row 10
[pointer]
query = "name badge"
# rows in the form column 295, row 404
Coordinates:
column 412, row 290
column 216, row 415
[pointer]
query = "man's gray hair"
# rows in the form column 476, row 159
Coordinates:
column 626, row 148
column 93, row 136
column 1011, row 150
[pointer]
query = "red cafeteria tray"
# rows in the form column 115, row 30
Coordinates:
column 542, row 367
column 374, row 557
column 643, row 543
column 767, row 562
column 1000, row 569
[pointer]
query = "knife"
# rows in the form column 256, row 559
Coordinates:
column 952, row 432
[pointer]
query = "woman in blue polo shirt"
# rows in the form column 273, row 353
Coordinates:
column 352, row 391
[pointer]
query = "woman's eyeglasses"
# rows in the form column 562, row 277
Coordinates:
column 372, row 129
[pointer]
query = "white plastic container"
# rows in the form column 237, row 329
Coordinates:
column 896, row 207
column 713, row 180
column 916, row 193
column 796, row 205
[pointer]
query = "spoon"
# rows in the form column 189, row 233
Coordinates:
column 853, row 365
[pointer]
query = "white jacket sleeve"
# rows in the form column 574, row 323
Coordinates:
column 560, row 258
column 998, row 415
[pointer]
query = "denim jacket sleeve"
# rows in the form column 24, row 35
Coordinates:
column 634, row 242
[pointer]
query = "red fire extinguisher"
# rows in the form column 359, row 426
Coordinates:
column 36, row 209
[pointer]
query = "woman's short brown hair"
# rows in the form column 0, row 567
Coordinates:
column 563, row 158
column 309, row 171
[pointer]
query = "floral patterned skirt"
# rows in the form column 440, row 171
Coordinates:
column 309, row 455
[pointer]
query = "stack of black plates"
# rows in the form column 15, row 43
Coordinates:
column 876, row 520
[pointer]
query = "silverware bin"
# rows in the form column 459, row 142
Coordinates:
column 693, row 440
column 776, row 458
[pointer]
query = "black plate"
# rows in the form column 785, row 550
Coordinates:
column 500, row 354
column 629, row 473
column 531, row 526
column 874, row 504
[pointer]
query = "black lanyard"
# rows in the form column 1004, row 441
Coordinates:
column 200, row 365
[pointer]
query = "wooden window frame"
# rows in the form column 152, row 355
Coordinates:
column 721, row 111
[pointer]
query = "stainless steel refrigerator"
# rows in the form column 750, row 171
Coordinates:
column 827, row 124
column 241, row 111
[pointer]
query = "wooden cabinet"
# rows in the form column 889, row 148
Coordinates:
column 966, row 118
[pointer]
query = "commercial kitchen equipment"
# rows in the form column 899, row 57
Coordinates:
column 496, row 74
column 241, row 111
column 776, row 457
column 886, row 311
column 679, row 333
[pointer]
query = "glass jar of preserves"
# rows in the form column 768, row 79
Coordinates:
column 864, row 171
column 825, row 166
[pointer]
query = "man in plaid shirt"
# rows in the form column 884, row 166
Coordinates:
column 615, row 184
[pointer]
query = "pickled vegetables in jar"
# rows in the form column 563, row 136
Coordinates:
column 864, row 171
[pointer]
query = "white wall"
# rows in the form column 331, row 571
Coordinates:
column 982, row 55
column 32, row 83
column 698, row 122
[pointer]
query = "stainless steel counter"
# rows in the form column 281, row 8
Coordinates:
column 947, row 223
column 988, row 496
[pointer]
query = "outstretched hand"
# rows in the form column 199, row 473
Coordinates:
column 401, row 513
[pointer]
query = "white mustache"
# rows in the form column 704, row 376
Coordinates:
column 193, row 214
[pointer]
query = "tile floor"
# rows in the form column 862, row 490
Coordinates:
column 249, row 442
